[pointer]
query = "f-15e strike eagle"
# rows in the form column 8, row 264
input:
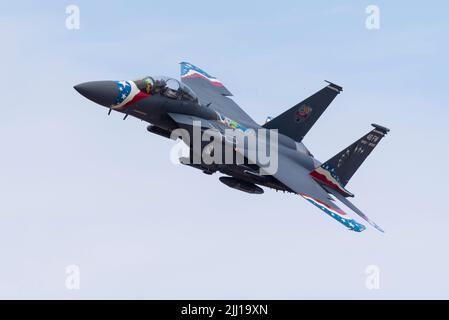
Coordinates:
column 200, row 100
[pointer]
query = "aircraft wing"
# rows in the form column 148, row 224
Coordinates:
column 298, row 179
column 212, row 92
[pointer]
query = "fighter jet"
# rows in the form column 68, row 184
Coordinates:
column 201, row 100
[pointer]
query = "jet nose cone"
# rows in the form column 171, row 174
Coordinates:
column 101, row 92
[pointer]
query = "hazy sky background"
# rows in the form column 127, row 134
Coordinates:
column 80, row 188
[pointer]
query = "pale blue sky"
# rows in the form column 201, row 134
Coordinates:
column 78, row 187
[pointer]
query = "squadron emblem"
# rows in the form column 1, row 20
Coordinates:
column 303, row 113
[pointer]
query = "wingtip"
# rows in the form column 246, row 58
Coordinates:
column 380, row 229
column 376, row 227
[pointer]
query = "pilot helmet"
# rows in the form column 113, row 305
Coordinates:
column 149, row 83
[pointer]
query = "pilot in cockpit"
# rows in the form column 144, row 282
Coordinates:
column 145, row 85
column 149, row 84
column 166, row 86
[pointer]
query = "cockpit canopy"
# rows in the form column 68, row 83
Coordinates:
column 167, row 87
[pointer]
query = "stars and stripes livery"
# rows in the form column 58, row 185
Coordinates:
column 128, row 94
column 336, row 213
column 167, row 104
column 190, row 71
column 327, row 175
